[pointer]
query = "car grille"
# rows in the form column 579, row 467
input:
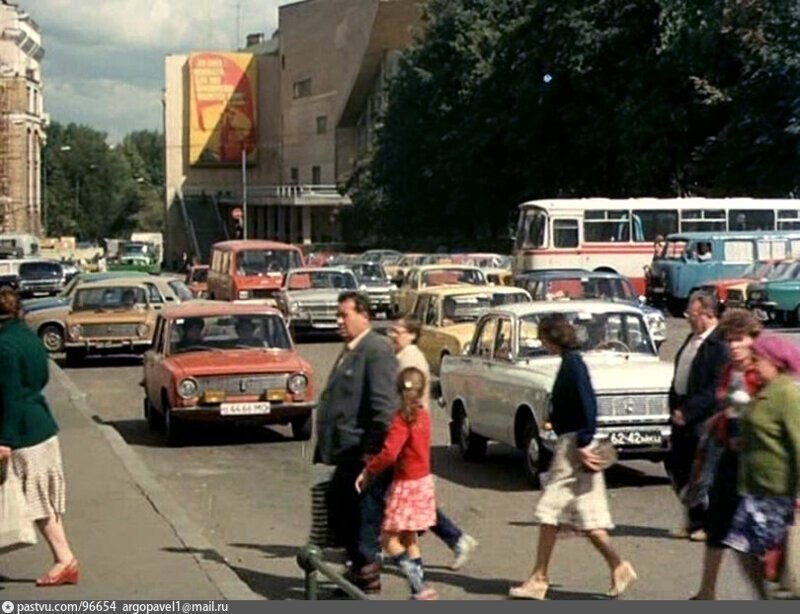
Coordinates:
column 109, row 330
column 633, row 406
column 735, row 298
column 242, row 384
column 320, row 311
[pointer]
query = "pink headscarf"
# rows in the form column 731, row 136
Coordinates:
column 779, row 351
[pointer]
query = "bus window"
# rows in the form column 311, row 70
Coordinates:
column 565, row 233
column 606, row 227
column 648, row 224
column 751, row 219
column 703, row 220
column 788, row 219
column 532, row 229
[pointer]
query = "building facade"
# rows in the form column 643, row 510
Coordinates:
column 22, row 121
column 317, row 89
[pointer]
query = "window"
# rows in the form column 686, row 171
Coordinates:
column 565, row 233
column 322, row 124
column 422, row 305
column 153, row 294
column 647, row 224
column 316, row 175
column 283, row 62
column 738, row 251
column 502, row 345
column 703, row 220
column 295, row 174
column 532, row 229
column 771, row 250
column 226, row 262
column 606, row 226
column 789, row 219
column 751, row 219
column 486, row 338
column 302, row 89
column 159, row 337
column 430, row 314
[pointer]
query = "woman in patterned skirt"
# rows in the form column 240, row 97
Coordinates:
column 28, row 437
column 575, row 494
column 410, row 505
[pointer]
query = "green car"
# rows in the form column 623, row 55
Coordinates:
column 777, row 300
column 140, row 264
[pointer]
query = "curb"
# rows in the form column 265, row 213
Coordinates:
column 213, row 564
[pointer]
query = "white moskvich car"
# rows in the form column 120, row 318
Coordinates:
column 499, row 389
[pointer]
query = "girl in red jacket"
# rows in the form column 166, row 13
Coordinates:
column 410, row 506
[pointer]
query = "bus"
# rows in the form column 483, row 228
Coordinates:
column 618, row 235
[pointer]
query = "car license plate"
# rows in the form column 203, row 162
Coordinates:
column 244, row 409
column 636, row 438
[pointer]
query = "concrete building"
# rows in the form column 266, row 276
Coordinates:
column 22, row 121
column 320, row 84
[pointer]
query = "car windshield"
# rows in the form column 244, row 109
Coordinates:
column 369, row 271
column 30, row 270
column 469, row 307
column 441, row 277
column 616, row 332
column 788, row 270
column 509, row 298
column 603, row 288
column 117, row 297
column 321, row 280
column 200, row 275
column 221, row 332
column 181, row 291
column 674, row 249
column 263, row 261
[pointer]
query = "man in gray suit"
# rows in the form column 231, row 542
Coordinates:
column 353, row 416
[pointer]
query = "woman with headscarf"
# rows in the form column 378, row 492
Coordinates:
column 769, row 467
column 28, row 436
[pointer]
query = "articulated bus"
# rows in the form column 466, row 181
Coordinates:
column 617, row 235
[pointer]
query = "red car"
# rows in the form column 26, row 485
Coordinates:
column 225, row 362
column 732, row 292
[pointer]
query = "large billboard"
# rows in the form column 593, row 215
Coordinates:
column 222, row 108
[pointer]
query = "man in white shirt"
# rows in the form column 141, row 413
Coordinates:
column 692, row 396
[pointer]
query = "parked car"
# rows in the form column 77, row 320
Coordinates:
column 572, row 284
column 733, row 292
column 309, row 298
column 9, row 281
column 48, row 321
column 500, row 389
column 778, row 298
column 372, row 280
column 40, row 278
column 448, row 315
column 397, row 270
column 225, row 362
column 197, row 280
column 110, row 317
column 427, row 276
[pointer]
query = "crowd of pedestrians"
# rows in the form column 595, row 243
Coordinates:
column 734, row 462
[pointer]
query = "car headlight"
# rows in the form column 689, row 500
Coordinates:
column 656, row 323
column 294, row 308
column 243, row 295
column 187, row 388
column 465, row 347
column 297, row 384
column 142, row 330
column 75, row 331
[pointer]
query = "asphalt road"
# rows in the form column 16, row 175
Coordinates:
column 249, row 492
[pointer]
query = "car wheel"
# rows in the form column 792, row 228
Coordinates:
column 74, row 357
column 536, row 459
column 154, row 421
column 302, row 427
column 174, row 431
column 472, row 446
column 52, row 337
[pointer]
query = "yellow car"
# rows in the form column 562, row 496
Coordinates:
column 428, row 276
column 448, row 316
column 397, row 269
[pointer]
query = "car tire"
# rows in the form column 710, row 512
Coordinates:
column 74, row 357
column 154, row 420
column 52, row 337
column 302, row 427
column 536, row 459
column 174, row 431
column 471, row 445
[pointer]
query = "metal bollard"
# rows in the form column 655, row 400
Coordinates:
column 310, row 561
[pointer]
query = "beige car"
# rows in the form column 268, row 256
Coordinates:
column 46, row 317
column 430, row 276
column 397, row 270
column 448, row 316
column 107, row 317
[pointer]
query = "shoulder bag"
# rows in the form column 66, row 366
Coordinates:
column 16, row 527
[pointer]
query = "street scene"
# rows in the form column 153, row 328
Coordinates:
column 391, row 300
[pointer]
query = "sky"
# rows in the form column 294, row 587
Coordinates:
column 104, row 59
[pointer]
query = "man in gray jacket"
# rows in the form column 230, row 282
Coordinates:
column 353, row 416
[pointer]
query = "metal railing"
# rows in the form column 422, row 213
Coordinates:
column 279, row 192
column 311, row 562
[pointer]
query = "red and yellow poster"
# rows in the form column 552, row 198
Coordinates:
column 222, row 108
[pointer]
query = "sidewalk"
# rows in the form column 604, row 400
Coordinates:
column 132, row 540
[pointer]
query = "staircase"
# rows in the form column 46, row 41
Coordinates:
column 204, row 225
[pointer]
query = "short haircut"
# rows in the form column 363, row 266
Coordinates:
column 360, row 300
column 558, row 331
column 413, row 326
column 737, row 323
column 10, row 305
column 707, row 301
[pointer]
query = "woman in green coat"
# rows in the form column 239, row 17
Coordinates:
column 28, row 436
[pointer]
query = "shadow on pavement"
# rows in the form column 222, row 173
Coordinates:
column 628, row 530
column 501, row 470
column 101, row 362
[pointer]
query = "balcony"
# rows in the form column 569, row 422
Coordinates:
column 292, row 195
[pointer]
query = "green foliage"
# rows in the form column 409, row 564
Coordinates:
column 95, row 191
column 508, row 100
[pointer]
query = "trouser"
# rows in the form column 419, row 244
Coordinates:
column 679, row 466
column 356, row 518
column 446, row 530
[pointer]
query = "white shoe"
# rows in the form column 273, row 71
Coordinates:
column 464, row 548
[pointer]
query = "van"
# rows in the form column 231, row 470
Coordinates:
column 24, row 245
column 689, row 260
column 247, row 270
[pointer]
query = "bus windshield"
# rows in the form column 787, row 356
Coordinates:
column 263, row 261
column 532, row 229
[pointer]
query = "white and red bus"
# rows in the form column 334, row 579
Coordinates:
column 602, row 234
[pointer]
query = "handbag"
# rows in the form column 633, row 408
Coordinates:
column 16, row 527
column 606, row 454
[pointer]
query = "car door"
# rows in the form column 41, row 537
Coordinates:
column 479, row 381
column 151, row 362
column 495, row 407
column 409, row 292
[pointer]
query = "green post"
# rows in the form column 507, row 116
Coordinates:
column 308, row 558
